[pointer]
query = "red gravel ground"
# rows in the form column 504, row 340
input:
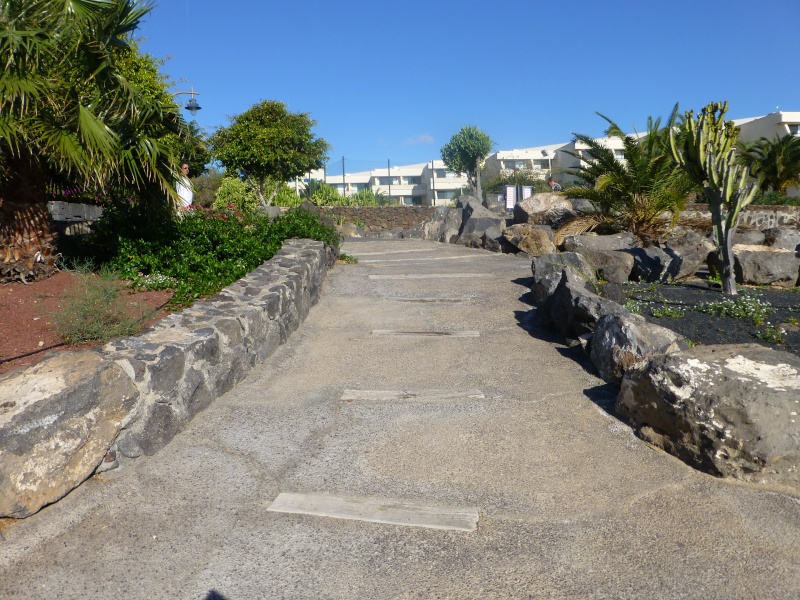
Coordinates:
column 26, row 324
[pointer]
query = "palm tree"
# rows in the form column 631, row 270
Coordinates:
column 633, row 193
column 68, row 117
column 774, row 163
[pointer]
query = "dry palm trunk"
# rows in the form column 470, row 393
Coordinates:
column 27, row 242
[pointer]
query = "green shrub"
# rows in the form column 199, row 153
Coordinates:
column 199, row 254
column 348, row 259
column 205, row 188
column 325, row 195
column 233, row 192
column 299, row 223
column 286, row 196
column 775, row 199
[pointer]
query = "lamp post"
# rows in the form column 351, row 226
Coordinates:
column 192, row 106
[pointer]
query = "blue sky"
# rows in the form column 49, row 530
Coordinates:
column 395, row 80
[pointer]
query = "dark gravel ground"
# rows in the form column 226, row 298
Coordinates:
column 703, row 328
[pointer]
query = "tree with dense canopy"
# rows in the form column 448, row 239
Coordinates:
column 69, row 118
column 465, row 152
column 267, row 146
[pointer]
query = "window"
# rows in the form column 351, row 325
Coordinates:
column 515, row 164
column 413, row 180
column 389, row 180
column 445, row 194
column 412, row 200
column 794, row 128
column 619, row 154
column 339, row 188
column 441, row 173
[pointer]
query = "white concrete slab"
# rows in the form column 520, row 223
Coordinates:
column 431, row 299
column 458, row 334
column 410, row 395
column 357, row 254
column 418, row 260
column 374, row 511
column 435, row 276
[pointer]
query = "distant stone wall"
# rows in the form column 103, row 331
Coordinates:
column 77, row 413
column 72, row 218
column 753, row 217
column 382, row 218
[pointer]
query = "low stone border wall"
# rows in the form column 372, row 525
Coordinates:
column 753, row 217
column 382, row 218
column 77, row 413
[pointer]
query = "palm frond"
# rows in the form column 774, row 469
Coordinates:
column 576, row 226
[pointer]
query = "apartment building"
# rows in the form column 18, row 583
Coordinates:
column 431, row 184
column 544, row 161
column 771, row 126
column 421, row 184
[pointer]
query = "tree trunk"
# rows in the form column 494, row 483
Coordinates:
column 478, row 190
column 728, row 261
column 27, row 242
column 723, row 232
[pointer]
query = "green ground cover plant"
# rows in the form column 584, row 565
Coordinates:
column 744, row 307
column 668, row 312
column 198, row 254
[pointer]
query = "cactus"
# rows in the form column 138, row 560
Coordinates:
column 704, row 148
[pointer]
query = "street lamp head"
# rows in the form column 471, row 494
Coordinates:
column 192, row 106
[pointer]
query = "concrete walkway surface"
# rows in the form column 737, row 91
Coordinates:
column 411, row 440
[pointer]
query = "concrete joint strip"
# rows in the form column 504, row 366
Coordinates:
column 377, row 511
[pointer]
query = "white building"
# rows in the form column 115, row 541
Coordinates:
column 771, row 126
column 544, row 161
column 431, row 184
column 421, row 184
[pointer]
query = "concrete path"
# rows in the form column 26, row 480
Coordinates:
column 411, row 440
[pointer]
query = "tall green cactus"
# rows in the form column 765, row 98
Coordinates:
column 704, row 148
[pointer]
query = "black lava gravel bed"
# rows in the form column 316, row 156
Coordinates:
column 768, row 316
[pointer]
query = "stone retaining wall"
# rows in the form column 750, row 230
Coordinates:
column 77, row 413
column 753, row 216
column 382, row 218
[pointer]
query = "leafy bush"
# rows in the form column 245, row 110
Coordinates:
column 299, row 223
column 286, row 196
column 199, row 254
column 325, row 195
column 775, row 199
column 205, row 188
column 517, row 177
column 235, row 192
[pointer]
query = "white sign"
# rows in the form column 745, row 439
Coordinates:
column 511, row 196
